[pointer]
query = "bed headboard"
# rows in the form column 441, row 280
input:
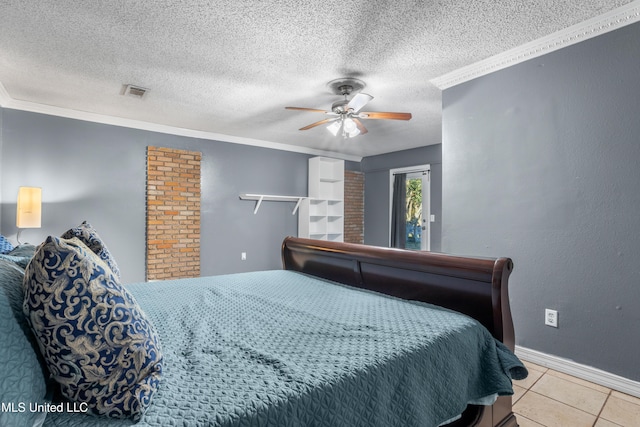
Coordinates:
column 477, row 287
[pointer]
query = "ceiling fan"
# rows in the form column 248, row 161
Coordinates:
column 345, row 114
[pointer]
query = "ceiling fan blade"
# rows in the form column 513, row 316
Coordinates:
column 321, row 122
column 359, row 101
column 307, row 109
column 385, row 115
column 361, row 127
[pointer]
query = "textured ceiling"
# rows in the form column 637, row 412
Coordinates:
column 230, row 67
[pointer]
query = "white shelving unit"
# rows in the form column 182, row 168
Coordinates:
column 322, row 213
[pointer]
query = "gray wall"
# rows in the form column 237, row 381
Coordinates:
column 97, row 172
column 376, row 194
column 541, row 163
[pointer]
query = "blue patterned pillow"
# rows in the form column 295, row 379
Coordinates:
column 97, row 342
column 5, row 245
column 89, row 236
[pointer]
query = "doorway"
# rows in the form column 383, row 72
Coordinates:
column 409, row 226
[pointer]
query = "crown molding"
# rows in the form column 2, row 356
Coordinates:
column 6, row 101
column 593, row 27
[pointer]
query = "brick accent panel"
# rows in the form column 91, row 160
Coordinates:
column 173, row 213
column 353, row 207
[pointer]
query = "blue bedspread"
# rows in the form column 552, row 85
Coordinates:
column 279, row 348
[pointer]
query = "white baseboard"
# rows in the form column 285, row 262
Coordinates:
column 588, row 373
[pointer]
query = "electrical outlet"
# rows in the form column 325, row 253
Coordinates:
column 243, row 256
column 551, row 317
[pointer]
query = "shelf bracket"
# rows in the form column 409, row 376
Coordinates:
column 258, row 203
column 297, row 206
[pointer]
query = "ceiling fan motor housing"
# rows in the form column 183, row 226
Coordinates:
column 340, row 107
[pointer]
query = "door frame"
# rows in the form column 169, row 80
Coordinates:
column 426, row 198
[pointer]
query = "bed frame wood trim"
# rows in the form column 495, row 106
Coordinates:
column 477, row 287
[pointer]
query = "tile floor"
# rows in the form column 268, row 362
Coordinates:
column 552, row 399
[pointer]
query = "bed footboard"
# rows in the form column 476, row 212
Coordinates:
column 477, row 287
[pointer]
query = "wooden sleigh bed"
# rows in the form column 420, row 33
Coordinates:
column 477, row 287
column 285, row 347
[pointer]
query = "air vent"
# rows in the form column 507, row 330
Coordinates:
column 134, row 91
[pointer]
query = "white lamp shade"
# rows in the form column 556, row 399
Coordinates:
column 29, row 211
column 351, row 128
column 349, row 125
column 334, row 127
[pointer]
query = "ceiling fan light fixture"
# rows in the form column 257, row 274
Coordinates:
column 350, row 126
column 345, row 126
column 334, row 127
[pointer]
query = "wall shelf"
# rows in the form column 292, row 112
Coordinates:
column 259, row 198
